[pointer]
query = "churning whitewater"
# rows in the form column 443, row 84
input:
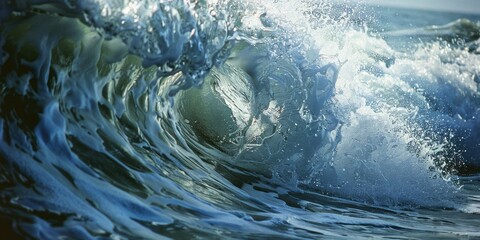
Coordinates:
column 237, row 119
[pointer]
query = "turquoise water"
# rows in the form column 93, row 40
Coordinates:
column 237, row 120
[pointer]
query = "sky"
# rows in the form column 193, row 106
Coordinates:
column 464, row 6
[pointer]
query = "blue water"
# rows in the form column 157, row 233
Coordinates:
column 237, row 120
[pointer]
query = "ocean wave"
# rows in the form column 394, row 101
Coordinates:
column 151, row 119
column 459, row 31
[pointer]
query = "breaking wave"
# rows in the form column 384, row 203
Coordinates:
column 176, row 119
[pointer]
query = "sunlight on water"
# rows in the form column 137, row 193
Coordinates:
column 237, row 119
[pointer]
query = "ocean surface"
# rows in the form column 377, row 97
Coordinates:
column 211, row 119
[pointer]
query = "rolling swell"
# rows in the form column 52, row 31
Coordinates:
column 223, row 121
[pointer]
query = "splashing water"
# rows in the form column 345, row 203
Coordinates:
column 237, row 119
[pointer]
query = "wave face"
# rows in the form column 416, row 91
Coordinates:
column 237, row 119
